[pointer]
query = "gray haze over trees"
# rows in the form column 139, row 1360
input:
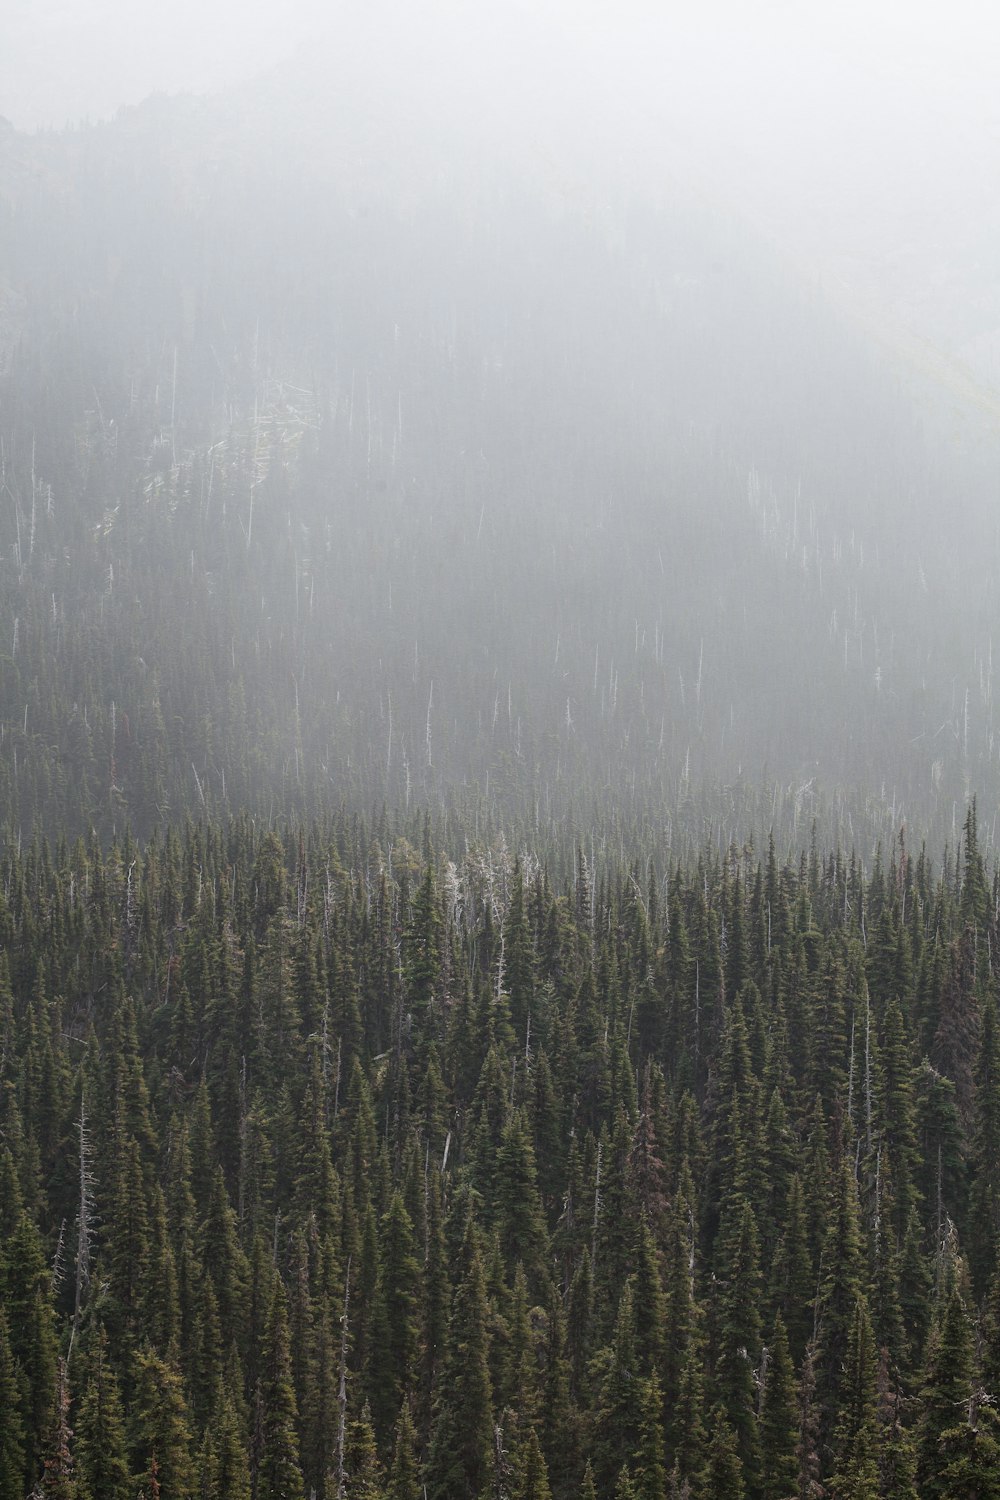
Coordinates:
column 507, row 411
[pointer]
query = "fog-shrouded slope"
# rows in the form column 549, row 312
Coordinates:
column 349, row 455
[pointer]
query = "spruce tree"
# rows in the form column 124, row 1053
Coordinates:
column 462, row 1432
column 275, row 1472
column 162, row 1433
column 534, row 1476
column 723, row 1472
column 404, row 1475
column 856, row 1474
column 958, row 1452
column 778, row 1420
column 12, row 1433
column 100, row 1429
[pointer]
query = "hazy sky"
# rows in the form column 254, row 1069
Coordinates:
column 70, row 59
column 864, row 137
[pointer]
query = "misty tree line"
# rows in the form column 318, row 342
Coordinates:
column 466, row 498
column 336, row 1162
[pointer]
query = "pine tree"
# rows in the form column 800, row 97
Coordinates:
column 897, row 1458
column 162, row 1447
column 738, row 1333
column 100, row 1429
column 855, row 1458
column 723, row 1472
column 793, row 1277
column 364, row 1472
column 462, row 1434
column 984, row 1205
column 516, row 1202
column 394, row 1351
column 650, row 1463
column 26, row 1300
column 534, row 1480
column 225, row 1471
column 404, row 1477
column 12, row 1434
column 807, row 1450
column 778, row 1420
column 58, row 1468
column 617, row 1416
column 958, row 1451
column 839, row 1293
column 275, row 1471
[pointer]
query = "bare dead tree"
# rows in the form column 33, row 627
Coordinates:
column 342, row 1389
column 85, row 1224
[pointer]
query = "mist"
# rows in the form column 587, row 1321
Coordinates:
column 526, row 410
column 499, row 751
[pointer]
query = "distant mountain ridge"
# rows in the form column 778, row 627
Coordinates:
column 407, row 474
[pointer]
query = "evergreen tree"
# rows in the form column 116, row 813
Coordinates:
column 162, row 1433
column 12, row 1434
column 778, row 1420
column 724, row 1472
column 102, row 1452
column 841, row 1287
column 855, row 1458
column 404, row 1476
column 462, row 1433
column 984, row 1204
column 958, row 1452
column 534, row 1480
column 275, row 1473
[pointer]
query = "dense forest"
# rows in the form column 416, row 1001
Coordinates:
column 334, row 1165
column 499, row 913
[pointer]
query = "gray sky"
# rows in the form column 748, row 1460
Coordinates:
column 64, row 60
column 864, row 138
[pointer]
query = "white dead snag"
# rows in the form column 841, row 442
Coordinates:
column 342, row 1390
column 85, row 1224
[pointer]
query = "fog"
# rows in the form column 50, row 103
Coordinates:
column 864, row 140
column 542, row 411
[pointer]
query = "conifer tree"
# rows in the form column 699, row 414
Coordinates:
column 958, row 1450
column 275, row 1472
column 559, row 1418
column 59, row 1469
column 394, row 1352
column 723, row 1472
column 984, row 1205
column 225, row 1471
column 897, row 1458
column 737, row 1337
column 462, row 1433
column 12, row 1434
column 364, row 1472
column 534, row 1477
column 855, row 1459
column 617, row 1421
column 793, row 1279
column 100, row 1429
column 26, row 1300
column 778, row 1420
column 841, row 1287
column 162, row 1446
column 650, row 1462
column 404, row 1475
column 516, row 1202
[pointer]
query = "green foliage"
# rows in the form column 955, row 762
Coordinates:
column 561, row 1275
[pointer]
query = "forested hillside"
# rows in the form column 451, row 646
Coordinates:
column 344, row 464
column 499, row 953
column 334, row 1165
